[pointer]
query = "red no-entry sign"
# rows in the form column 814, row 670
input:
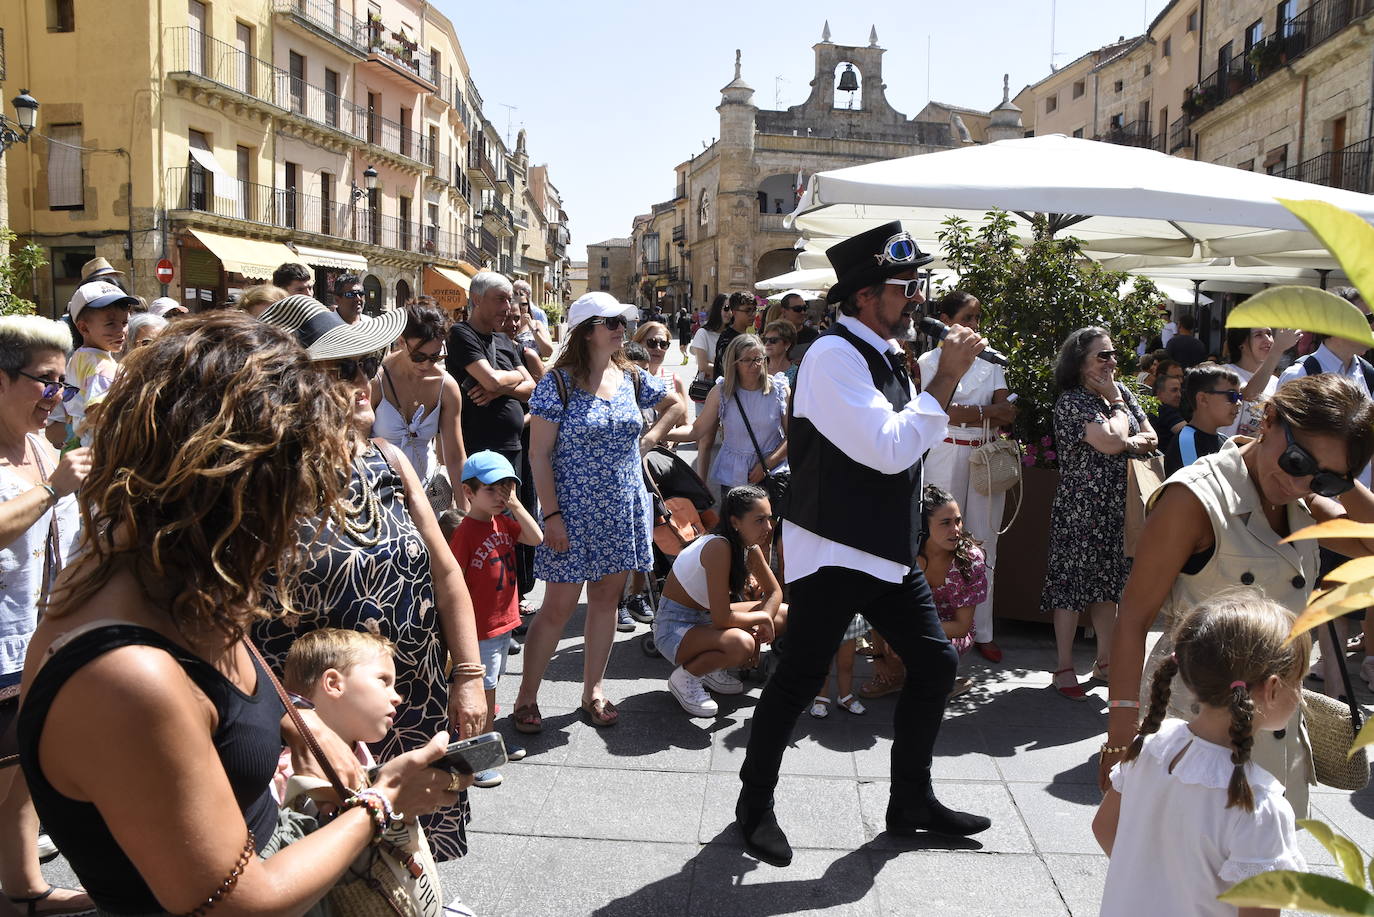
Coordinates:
column 164, row 271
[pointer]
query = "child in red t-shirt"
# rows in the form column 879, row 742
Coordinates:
column 484, row 545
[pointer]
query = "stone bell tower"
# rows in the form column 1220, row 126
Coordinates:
column 736, row 207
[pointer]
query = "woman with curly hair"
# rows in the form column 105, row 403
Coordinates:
column 149, row 733
column 956, row 570
column 382, row 564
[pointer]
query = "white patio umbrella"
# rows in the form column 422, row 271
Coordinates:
column 811, row 279
column 1116, row 199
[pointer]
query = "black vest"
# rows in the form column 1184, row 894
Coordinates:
column 838, row 498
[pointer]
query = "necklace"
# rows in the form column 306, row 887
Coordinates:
column 361, row 518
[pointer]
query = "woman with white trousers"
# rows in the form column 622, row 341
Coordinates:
column 981, row 396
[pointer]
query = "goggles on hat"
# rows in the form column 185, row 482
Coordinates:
column 898, row 249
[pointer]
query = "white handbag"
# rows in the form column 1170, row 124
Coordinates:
column 995, row 468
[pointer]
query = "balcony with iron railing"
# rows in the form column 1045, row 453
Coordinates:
column 192, row 188
column 496, row 216
column 442, row 165
column 1180, row 135
column 654, row 268
column 326, row 19
column 488, row 242
column 481, row 171
column 1348, row 168
column 198, row 58
column 1318, row 23
column 506, row 265
column 679, row 233
column 398, row 54
column 1136, row 133
column 522, row 218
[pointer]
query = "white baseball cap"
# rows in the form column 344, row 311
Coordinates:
column 97, row 294
column 598, row 305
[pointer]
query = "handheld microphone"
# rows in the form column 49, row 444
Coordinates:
column 938, row 329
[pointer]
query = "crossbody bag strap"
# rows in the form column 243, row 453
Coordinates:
column 52, row 555
column 310, row 741
column 750, row 430
column 1336, row 641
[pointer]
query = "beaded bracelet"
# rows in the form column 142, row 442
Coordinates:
column 1113, row 704
column 1114, row 749
column 378, row 807
column 249, row 850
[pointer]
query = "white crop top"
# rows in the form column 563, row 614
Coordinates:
column 691, row 574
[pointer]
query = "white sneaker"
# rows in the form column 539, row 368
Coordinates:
column 46, row 848
column 688, row 690
column 722, row 682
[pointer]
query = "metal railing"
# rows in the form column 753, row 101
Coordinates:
column 654, row 268
column 326, row 16
column 479, row 162
column 488, row 243
column 1317, row 24
column 1136, row 133
column 1180, row 134
column 679, row 233
column 196, row 53
column 1348, row 168
column 388, row 45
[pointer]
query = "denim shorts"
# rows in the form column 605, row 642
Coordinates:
column 672, row 620
column 493, row 653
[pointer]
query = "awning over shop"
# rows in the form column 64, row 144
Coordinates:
column 448, row 286
column 252, row 258
column 323, row 257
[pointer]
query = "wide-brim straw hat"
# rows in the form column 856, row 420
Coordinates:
column 326, row 336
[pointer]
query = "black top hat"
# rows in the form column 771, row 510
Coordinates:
column 871, row 257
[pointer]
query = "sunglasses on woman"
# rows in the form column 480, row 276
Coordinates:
column 348, row 368
column 656, row 344
column 774, row 340
column 51, row 388
column 1104, row 356
column 419, row 356
column 1299, row 463
column 613, row 323
column 796, row 309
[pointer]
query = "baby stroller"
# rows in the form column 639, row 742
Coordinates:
column 682, row 514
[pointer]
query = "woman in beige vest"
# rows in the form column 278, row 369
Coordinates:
column 1218, row 523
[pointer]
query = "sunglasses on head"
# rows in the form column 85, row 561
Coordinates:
column 613, row 323
column 1105, row 355
column 1229, row 394
column 910, row 288
column 348, row 368
column 1299, row 463
column 656, row 344
column 898, row 249
column 51, row 388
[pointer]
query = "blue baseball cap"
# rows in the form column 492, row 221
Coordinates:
column 488, row 467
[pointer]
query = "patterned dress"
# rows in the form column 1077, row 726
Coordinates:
column 959, row 591
column 1088, row 520
column 384, row 588
column 598, row 479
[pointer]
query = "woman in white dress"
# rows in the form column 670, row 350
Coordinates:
column 980, row 398
column 418, row 407
column 1255, row 355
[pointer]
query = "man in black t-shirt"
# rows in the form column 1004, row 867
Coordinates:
column 1211, row 399
column 743, row 308
column 1168, row 390
column 1184, row 347
column 489, row 370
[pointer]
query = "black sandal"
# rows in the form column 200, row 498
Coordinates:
column 30, row 905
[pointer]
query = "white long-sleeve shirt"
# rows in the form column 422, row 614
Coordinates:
column 835, row 391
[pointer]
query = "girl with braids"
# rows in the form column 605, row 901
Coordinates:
column 704, row 623
column 1188, row 813
column 956, row 570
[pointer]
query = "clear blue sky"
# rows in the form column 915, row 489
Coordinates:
column 614, row 93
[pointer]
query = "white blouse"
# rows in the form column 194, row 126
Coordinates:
column 1177, row 845
column 976, row 387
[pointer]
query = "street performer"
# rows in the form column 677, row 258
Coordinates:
column 853, row 530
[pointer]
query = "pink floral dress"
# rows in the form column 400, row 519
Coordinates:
column 958, row 592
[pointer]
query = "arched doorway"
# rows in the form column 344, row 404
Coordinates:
column 372, row 298
column 402, row 294
column 778, row 261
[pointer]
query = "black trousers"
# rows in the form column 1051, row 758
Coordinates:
column 822, row 606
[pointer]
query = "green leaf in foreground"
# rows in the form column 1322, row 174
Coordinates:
column 1305, row 309
column 1345, row 851
column 1301, row 891
column 1345, row 235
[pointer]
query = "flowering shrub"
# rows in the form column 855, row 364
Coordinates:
column 1034, row 294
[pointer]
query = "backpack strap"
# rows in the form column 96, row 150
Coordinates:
column 1187, row 445
column 1312, row 366
column 561, row 382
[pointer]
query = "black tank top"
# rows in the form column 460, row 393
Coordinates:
column 248, row 740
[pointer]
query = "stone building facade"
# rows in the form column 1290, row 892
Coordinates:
column 723, row 229
column 609, row 268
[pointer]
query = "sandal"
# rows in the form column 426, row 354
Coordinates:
column 600, row 712
column 820, row 707
column 30, row 905
column 1100, row 670
column 880, row 685
column 1072, row 692
column 527, row 719
column 852, row 705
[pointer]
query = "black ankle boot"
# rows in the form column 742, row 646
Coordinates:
column 763, row 836
column 935, row 818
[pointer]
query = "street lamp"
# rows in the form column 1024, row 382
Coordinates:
column 26, row 111
column 356, row 193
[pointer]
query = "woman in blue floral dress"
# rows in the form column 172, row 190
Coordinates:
column 585, row 448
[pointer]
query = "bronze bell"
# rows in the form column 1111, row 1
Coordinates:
column 849, row 81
